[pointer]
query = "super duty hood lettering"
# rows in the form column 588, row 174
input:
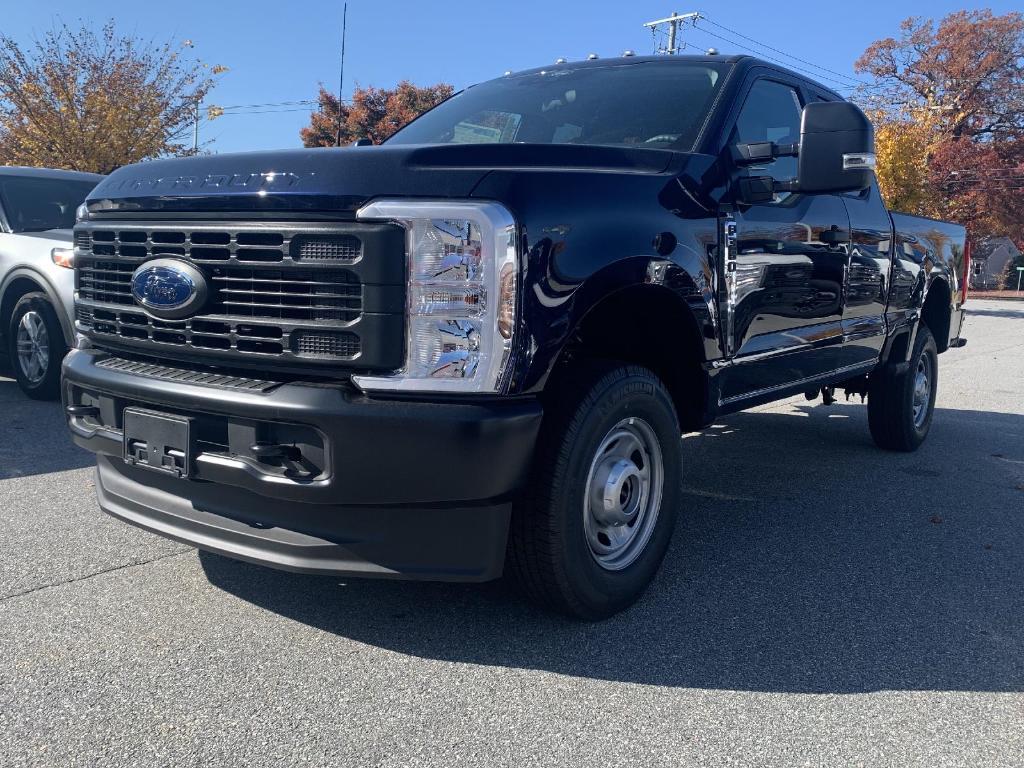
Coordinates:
column 217, row 181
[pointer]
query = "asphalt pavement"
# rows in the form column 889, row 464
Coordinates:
column 824, row 603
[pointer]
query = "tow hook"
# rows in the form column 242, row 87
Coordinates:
column 289, row 456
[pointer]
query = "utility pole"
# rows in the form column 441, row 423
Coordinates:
column 341, row 74
column 675, row 22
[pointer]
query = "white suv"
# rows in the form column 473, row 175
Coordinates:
column 37, row 282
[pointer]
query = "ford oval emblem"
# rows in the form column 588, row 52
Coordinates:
column 169, row 288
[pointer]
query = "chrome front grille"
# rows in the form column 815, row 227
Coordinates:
column 311, row 294
column 334, row 295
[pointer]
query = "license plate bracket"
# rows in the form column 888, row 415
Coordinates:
column 158, row 441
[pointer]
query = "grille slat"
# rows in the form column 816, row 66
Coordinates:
column 265, row 305
column 186, row 376
column 282, row 290
column 204, row 246
column 324, row 295
column 219, row 278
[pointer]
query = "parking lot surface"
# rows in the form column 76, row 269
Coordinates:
column 824, row 603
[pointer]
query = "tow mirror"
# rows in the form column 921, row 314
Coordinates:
column 837, row 148
column 836, row 154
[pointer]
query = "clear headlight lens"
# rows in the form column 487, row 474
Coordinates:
column 463, row 265
column 63, row 257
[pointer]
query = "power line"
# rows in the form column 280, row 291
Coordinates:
column 272, row 104
column 261, row 112
column 842, row 86
column 676, row 21
column 847, row 78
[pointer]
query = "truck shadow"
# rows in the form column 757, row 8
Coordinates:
column 34, row 439
column 806, row 561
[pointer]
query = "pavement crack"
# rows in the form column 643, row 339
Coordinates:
column 92, row 575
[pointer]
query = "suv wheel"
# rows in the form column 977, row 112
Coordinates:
column 591, row 532
column 36, row 346
column 900, row 406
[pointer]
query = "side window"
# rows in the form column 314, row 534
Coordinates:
column 771, row 112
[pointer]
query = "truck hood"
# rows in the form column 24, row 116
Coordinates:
column 345, row 179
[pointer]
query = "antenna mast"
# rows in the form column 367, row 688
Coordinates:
column 341, row 74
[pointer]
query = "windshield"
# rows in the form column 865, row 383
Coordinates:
column 653, row 104
column 34, row 204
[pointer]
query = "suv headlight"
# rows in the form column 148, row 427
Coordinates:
column 462, row 279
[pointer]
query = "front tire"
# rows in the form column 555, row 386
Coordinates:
column 36, row 347
column 591, row 532
column 901, row 405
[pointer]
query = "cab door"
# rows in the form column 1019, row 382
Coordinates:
column 870, row 274
column 785, row 285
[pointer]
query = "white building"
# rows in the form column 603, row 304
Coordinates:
column 989, row 260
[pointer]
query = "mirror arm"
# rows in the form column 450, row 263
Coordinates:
column 751, row 190
column 762, row 152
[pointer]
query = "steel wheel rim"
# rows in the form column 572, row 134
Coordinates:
column 922, row 390
column 33, row 344
column 623, row 494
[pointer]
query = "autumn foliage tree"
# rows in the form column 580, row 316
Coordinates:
column 375, row 113
column 903, row 145
column 95, row 100
column 947, row 100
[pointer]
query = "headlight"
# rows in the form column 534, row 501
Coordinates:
column 462, row 277
column 63, row 257
column 82, row 212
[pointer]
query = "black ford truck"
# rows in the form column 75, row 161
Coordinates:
column 474, row 348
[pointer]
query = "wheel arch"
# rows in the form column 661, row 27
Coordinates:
column 937, row 311
column 639, row 324
column 23, row 281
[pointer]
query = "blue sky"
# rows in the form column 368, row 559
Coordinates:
column 279, row 51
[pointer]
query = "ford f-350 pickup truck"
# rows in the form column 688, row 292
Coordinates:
column 474, row 348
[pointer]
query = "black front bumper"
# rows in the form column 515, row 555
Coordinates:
column 396, row 488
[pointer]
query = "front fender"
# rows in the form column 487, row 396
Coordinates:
column 586, row 236
column 61, row 298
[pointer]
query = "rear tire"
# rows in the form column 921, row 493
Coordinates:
column 589, row 535
column 36, row 347
column 901, row 405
